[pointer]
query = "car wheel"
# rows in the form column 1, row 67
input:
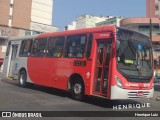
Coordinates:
column 77, row 90
column 23, row 79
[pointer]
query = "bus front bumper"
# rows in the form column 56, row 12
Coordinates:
column 119, row 93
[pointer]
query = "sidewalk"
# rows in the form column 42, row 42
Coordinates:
column 156, row 95
column 1, row 75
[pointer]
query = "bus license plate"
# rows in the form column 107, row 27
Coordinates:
column 140, row 94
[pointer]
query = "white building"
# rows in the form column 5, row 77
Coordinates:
column 71, row 26
column 41, row 16
column 24, row 17
column 86, row 21
column 111, row 21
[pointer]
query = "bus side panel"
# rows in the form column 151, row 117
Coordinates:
column 55, row 72
column 50, row 72
column 22, row 64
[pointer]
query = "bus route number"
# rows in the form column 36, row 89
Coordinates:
column 79, row 63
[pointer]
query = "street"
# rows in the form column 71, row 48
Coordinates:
column 38, row 98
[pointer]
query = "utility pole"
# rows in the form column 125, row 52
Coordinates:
column 150, row 19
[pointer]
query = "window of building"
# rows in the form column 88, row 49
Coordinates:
column 35, row 32
column 11, row 5
column 156, row 46
column 55, row 47
column 39, row 47
column 75, row 46
column 25, row 49
column 156, row 26
column 27, row 32
column 157, row 8
column 10, row 16
column 143, row 27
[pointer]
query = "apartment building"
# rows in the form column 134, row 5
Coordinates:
column 152, row 8
column 86, row 21
column 111, row 21
column 24, row 17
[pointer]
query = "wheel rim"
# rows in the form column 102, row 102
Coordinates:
column 22, row 78
column 77, row 88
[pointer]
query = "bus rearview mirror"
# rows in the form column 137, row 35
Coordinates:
column 118, row 44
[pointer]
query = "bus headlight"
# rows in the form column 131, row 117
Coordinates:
column 118, row 82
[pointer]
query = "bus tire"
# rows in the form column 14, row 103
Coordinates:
column 23, row 79
column 77, row 90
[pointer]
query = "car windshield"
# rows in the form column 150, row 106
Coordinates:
column 134, row 58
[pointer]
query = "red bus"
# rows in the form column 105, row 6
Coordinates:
column 106, row 61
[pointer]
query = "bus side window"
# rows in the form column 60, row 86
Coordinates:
column 39, row 47
column 55, row 47
column 75, row 46
column 25, row 49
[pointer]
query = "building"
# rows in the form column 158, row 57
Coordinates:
column 158, row 9
column 86, row 21
column 142, row 25
column 152, row 8
column 71, row 26
column 24, row 17
column 111, row 21
column 153, row 11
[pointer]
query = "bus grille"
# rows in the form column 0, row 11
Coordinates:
column 134, row 94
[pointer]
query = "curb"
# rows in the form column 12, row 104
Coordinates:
column 156, row 96
column 9, row 78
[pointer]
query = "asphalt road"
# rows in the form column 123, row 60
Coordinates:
column 38, row 98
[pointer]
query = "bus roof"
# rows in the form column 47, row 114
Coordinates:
column 71, row 32
column 79, row 31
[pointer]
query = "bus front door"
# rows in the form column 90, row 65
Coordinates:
column 101, row 78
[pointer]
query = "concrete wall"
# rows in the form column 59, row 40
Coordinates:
column 42, row 11
column 22, row 14
column 4, row 12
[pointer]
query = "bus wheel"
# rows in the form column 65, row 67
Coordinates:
column 23, row 79
column 77, row 90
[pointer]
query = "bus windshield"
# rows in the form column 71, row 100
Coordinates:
column 134, row 56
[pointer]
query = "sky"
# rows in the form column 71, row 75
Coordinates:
column 66, row 11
